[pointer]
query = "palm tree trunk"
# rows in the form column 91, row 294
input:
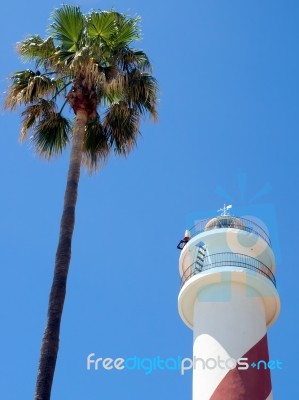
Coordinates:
column 50, row 342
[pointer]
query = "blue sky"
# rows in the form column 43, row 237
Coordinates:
column 229, row 84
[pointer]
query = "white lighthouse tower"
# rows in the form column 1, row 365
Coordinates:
column 228, row 297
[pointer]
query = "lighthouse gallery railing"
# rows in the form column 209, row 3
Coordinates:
column 229, row 221
column 227, row 260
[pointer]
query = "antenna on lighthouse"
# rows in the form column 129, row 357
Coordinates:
column 224, row 210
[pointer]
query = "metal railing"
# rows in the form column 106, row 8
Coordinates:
column 229, row 221
column 227, row 260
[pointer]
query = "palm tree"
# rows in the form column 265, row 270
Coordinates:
column 88, row 63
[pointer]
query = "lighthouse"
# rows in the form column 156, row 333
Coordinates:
column 228, row 298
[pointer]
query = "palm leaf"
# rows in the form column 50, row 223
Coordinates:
column 110, row 72
column 95, row 146
column 32, row 115
column 51, row 134
column 101, row 25
column 121, row 125
column 65, row 57
column 28, row 86
column 67, row 27
column 141, row 60
column 128, row 59
column 141, row 92
column 34, row 48
column 128, row 30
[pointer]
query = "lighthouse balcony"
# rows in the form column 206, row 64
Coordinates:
column 224, row 260
column 228, row 221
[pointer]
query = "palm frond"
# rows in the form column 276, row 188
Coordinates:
column 95, row 146
column 121, row 125
column 113, row 89
column 28, row 86
column 34, row 48
column 63, row 57
column 93, row 77
column 142, row 61
column 101, row 25
column 32, row 115
column 110, row 72
column 67, row 27
column 141, row 92
column 84, row 65
column 128, row 59
column 128, row 30
column 51, row 134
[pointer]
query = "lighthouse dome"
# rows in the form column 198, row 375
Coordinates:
column 224, row 221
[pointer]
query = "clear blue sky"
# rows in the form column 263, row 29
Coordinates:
column 228, row 132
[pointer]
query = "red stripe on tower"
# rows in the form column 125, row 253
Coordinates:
column 251, row 384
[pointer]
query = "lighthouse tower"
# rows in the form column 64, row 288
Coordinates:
column 228, row 298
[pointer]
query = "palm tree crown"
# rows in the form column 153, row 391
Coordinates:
column 87, row 60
